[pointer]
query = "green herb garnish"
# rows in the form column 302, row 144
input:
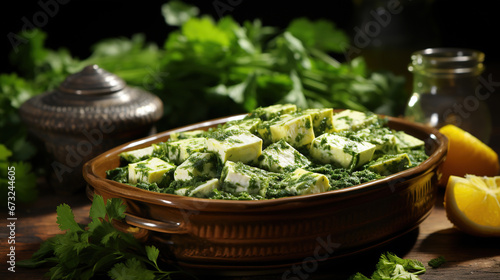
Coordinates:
column 391, row 267
column 437, row 262
column 97, row 249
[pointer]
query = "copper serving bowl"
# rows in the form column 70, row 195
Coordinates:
column 244, row 237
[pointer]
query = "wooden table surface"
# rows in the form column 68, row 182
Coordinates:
column 467, row 257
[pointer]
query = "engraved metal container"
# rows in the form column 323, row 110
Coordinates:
column 90, row 112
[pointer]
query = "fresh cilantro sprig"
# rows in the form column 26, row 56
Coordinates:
column 392, row 267
column 235, row 67
column 97, row 249
column 217, row 66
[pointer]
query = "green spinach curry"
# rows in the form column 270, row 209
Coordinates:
column 275, row 151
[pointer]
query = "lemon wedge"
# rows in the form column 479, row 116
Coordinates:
column 472, row 204
column 467, row 155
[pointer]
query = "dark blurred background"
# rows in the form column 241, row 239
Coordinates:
column 76, row 24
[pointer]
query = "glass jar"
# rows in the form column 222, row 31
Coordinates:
column 446, row 90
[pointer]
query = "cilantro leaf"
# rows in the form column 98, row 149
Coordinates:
column 391, row 267
column 4, row 153
column 115, row 209
column 130, row 270
column 177, row 13
column 16, row 177
column 66, row 249
column 132, row 59
column 242, row 93
column 66, row 218
column 22, row 149
column 320, row 34
column 296, row 94
column 98, row 208
column 437, row 262
column 359, row 276
column 152, row 253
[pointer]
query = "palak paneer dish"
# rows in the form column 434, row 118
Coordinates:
column 273, row 152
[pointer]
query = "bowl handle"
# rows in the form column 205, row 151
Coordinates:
column 142, row 223
column 154, row 225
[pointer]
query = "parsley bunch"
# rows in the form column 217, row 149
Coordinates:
column 97, row 249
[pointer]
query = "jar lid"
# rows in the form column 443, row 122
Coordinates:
column 447, row 61
column 88, row 98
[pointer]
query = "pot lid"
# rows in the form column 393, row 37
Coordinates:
column 89, row 98
column 92, row 80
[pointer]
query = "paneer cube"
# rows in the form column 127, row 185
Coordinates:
column 273, row 111
column 196, row 188
column 340, row 150
column 182, row 191
column 149, row 171
column 281, row 157
column 305, row 182
column 249, row 124
column 353, row 120
column 178, row 151
column 407, row 141
column 383, row 138
column 322, row 120
column 188, row 134
column 160, row 150
column 390, row 164
column 297, row 130
column 137, row 155
column 235, row 145
column 197, row 165
column 204, row 189
column 237, row 177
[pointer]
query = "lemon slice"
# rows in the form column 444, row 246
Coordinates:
column 472, row 204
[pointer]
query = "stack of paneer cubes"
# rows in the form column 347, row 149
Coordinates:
column 271, row 148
